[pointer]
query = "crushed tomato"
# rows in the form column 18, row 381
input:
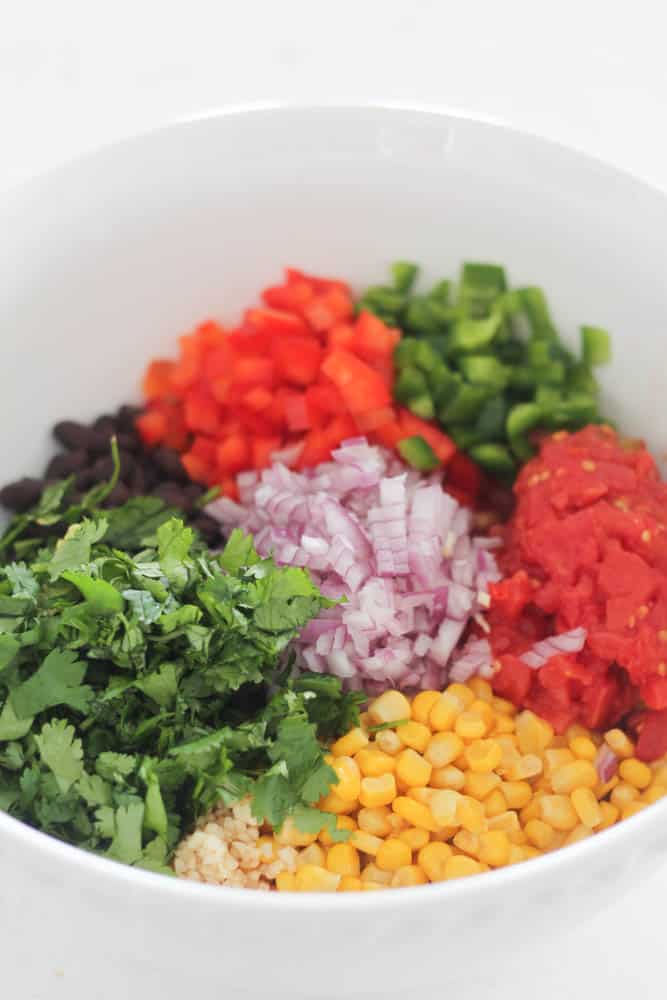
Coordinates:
column 587, row 547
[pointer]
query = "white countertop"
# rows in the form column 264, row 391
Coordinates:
column 72, row 78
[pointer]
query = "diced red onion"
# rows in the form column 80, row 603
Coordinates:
column 567, row 642
column 394, row 545
column 606, row 762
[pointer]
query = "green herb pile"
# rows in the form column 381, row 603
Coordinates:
column 143, row 679
column 486, row 362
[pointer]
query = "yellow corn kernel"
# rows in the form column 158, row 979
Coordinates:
column 483, row 708
column 532, row 810
column 448, row 777
column 503, row 707
column 632, row 808
column 444, row 805
column 470, row 814
column 392, row 854
column 660, row 773
column 406, row 876
column 415, row 813
column 517, row 794
column 603, row 788
column 443, row 748
column 461, row 691
column 517, row 837
column 623, row 795
column 620, row 743
column 422, row 704
column 528, row 766
column 507, row 821
column 583, row 747
column 412, row 770
column 371, row 886
column 371, row 873
column 529, row 851
column 516, row 855
column 503, row 725
column 350, row 743
column 286, row 882
column 467, row 842
column 654, row 793
column 470, row 726
column 494, row 804
column 350, row 883
column 636, row 773
column 349, row 778
column 378, row 791
column 610, row 814
column 389, row 742
column 481, row 689
column 420, row 794
column 579, row 774
column 311, row 855
column 415, row 735
column 266, row 845
column 397, row 823
column 539, row 833
column 533, row 734
column 343, row 859
column 580, row 832
column 558, row 812
column 445, row 711
column 365, row 842
column 314, row 878
column 479, row 784
column 586, row 807
column 342, row 823
column 390, row 706
column 459, row 866
column 483, row 755
column 372, row 762
column 444, row 834
column 289, row 835
column 557, row 757
column 375, row 821
column 432, row 858
column 333, row 803
column 415, row 837
column 494, row 848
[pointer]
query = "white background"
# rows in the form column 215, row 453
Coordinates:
column 593, row 75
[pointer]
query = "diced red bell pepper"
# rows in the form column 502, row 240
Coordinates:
column 152, row 426
column 210, row 334
column 328, row 308
column 342, row 335
column 513, row 680
column 297, row 359
column 249, row 342
column 316, row 449
column 292, row 296
column 464, row 473
column 296, row 411
column 258, row 399
column 229, row 488
column 262, row 450
column 202, row 412
column 276, row 322
column 324, row 400
column 389, row 434
column 233, row 455
column 360, row 386
column 374, row 339
column 219, row 361
column 253, row 370
column 652, row 742
column 157, row 382
column 442, row 445
column 375, row 419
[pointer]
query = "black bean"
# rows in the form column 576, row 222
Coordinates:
column 126, row 417
column 193, row 491
column 208, row 528
column 138, row 482
column 22, row 494
column 119, row 494
column 173, row 495
column 73, row 434
column 103, row 468
column 85, row 479
column 127, row 464
column 98, row 443
column 105, row 425
column 130, row 442
column 169, row 462
column 66, row 463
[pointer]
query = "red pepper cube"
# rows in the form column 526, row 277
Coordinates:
column 257, row 399
column 328, row 308
column 292, row 296
column 360, row 386
column 652, row 742
column 374, row 340
column 513, row 680
column 297, row 359
column 442, row 445
column 316, row 449
column 374, row 419
column 157, row 382
column 275, row 322
column 324, row 400
column 388, row 434
column 233, row 455
column 219, row 361
column 297, row 415
column 210, row 334
column 262, row 450
column 202, row 412
column 463, row 473
column 254, row 370
column 152, row 426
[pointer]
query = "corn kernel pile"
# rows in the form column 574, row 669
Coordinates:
column 458, row 783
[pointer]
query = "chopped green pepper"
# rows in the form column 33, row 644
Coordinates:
column 418, row 453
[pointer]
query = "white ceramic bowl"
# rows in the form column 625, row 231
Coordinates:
column 103, row 263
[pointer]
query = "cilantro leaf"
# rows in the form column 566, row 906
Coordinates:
column 135, row 523
column 174, row 543
column 56, row 682
column 238, row 553
column 101, row 597
column 61, row 752
column 126, row 843
column 144, row 606
column 11, row 727
column 73, row 550
column 9, row 647
column 23, row 581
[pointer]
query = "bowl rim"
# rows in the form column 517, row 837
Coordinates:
column 157, row 885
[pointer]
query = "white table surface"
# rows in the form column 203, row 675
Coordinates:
column 590, row 74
